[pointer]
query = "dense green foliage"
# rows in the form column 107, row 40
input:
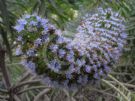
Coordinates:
column 120, row 84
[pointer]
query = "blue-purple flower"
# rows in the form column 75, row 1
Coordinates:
column 30, row 52
column 54, row 65
column 38, row 42
column 18, row 51
column 87, row 68
column 29, row 64
column 19, row 28
column 33, row 23
column 54, row 48
column 22, row 22
column 66, row 61
column 19, row 38
column 61, row 53
column 70, row 58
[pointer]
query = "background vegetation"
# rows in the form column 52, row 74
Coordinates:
column 22, row 86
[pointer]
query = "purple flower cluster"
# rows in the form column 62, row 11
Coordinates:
column 62, row 61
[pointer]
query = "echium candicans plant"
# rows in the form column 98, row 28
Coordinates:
column 65, row 62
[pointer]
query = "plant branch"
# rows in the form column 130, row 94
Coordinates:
column 4, row 97
column 26, row 83
column 124, row 96
column 32, row 88
column 40, row 94
column 3, row 90
column 3, row 68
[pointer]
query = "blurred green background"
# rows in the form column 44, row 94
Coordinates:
column 65, row 14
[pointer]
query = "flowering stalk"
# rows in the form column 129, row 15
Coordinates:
column 62, row 61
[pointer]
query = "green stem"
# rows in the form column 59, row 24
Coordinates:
column 5, row 73
column 4, row 69
column 32, row 88
column 125, row 84
column 121, row 84
column 25, row 76
column 26, row 83
column 41, row 94
column 108, row 83
column 4, row 97
column 3, row 90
